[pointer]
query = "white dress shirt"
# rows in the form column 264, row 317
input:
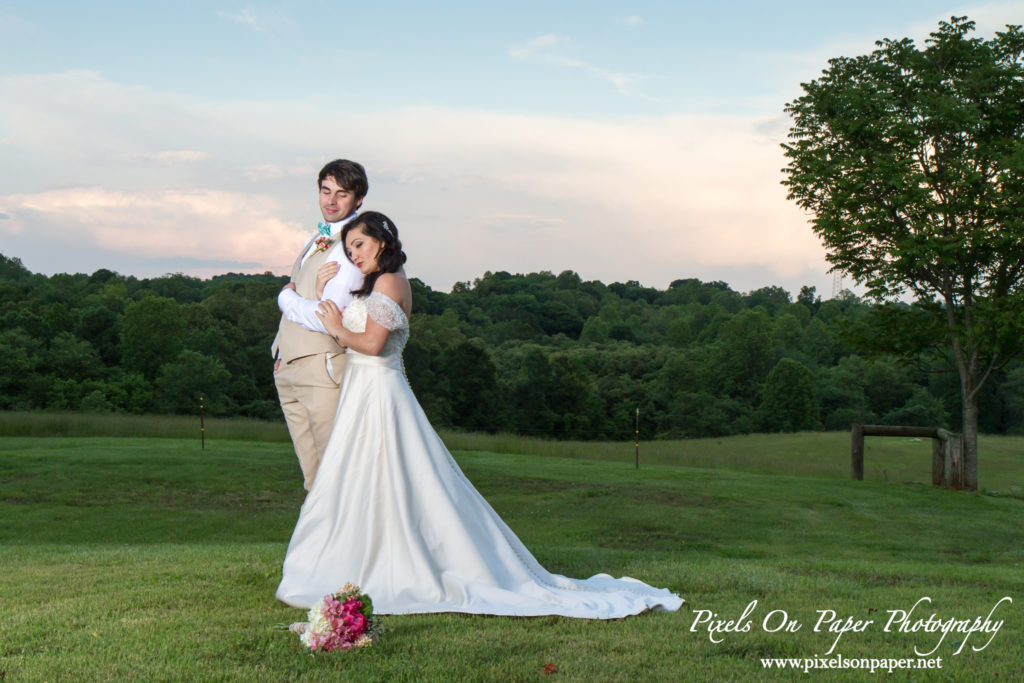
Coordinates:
column 338, row 289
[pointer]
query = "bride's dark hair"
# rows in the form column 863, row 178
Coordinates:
column 383, row 229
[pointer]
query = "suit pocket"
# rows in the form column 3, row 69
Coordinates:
column 335, row 365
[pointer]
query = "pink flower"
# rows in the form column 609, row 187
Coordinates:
column 343, row 621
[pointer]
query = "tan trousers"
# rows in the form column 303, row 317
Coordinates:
column 309, row 399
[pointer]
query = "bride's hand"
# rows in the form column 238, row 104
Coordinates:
column 325, row 273
column 329, row 312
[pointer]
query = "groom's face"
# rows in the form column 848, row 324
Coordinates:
column 336, row 202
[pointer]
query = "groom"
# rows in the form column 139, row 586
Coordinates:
column 308, row 363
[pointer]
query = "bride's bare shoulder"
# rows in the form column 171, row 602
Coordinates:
column 391, row 284
column 396, row 287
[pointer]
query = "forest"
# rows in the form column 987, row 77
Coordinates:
column 538, row 354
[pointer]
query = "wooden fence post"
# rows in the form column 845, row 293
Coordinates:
column 956, row 462
column 938, row 462
column 857, row 451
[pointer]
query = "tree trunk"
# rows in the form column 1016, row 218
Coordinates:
column 967, row 368
column 970, row 436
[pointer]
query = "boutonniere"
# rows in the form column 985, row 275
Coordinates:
column 323, row 243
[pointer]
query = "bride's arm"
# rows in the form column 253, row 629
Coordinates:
column 372, row 341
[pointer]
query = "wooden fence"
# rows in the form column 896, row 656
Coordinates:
column 947, row 451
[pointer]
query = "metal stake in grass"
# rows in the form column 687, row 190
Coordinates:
column 202, row 425
column 636, row 433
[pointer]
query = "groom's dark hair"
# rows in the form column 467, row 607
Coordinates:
column 348, row 174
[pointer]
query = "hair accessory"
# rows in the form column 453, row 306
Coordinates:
column 387, row 229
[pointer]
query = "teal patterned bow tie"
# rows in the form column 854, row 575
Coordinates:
column 324, row 229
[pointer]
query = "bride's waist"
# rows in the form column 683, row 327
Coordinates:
column 390, row 361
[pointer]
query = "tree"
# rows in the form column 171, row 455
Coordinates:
column 152, row 333
column 787, row 334
column 807, row 298
column 191, row 375
column 743, row 355
column 920, row 409
column 574, row 399
column 73, row 358
column 772, row 298
column 595, row 331
column 18, row 360
column 99, row 326
column 912, row 162
column 11, row 268
column 473, row 388
column 532, row 412
column 1013, row 395
column 789, row 404
column 842, row 395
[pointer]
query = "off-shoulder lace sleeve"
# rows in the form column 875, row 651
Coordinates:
column 385, row 311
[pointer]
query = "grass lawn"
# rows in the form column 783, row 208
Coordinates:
column 148, row 558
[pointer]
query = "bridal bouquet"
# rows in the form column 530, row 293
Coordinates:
column 341, row 621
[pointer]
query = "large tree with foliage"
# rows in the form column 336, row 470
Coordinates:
column 912, row 162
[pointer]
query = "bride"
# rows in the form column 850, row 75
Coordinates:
column 390, row 510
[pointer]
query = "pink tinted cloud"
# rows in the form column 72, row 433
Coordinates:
column 165, row 223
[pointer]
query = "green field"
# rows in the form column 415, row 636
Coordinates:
column 133, row 557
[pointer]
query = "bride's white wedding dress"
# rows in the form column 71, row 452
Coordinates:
column 391, row 512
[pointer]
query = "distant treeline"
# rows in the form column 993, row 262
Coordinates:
column 537, row 354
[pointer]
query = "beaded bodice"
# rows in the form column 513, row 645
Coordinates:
column 384, row 311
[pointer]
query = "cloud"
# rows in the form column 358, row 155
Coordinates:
column 988, row 17
column 11, row 23
column 264, row 172
column 216, row 266
column 533, row 46
column 81, row 116
column 259, row 21
column 177, row 156
column 542, row 50
column 657, row 196
column 800, row 67
column 653, row 199
column 633, row 21
column 160, row 223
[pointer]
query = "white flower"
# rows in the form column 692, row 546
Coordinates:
column 317, row 623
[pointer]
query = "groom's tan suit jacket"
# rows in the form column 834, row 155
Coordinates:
column 309, row 377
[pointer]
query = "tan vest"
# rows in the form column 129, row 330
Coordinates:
column 292, row 340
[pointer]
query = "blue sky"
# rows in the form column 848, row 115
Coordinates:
column 620, row 140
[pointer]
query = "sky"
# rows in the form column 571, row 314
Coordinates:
column 622, row 141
